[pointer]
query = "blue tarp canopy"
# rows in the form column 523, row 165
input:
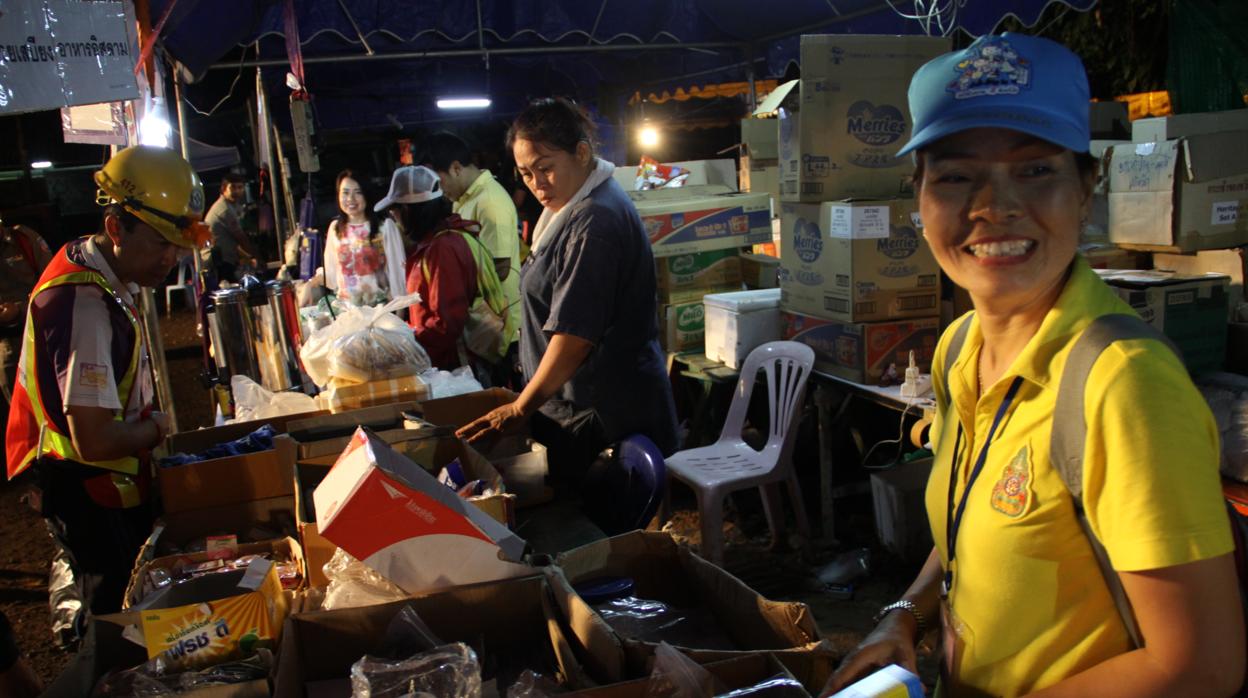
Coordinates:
column 516, row 49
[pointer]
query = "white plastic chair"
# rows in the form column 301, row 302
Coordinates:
column 184, row 283
column 730, row 464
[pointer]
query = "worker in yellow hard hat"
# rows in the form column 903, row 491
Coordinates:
column 82, row 420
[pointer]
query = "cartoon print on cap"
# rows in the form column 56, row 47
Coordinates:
column 993, row 68
column 1012, row 493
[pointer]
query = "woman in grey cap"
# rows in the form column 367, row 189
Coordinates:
column 1004, row 181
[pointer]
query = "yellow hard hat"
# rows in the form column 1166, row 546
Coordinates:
column 159, row 187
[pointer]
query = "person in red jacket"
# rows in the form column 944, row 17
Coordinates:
column 441, row 268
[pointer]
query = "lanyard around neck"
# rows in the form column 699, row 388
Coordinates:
column 953, row 521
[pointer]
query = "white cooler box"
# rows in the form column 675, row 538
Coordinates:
column 739, row 321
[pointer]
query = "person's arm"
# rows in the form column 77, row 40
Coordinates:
column 235, row 230
column 564, row 355
column 396, row 257
column 894, row 639
column 331, row 256
column 99, row 437
column 1192, row 626
column 500, row 233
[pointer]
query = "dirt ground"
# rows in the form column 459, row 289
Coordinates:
column 787, row 574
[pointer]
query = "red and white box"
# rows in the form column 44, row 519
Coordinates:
column 390, row 514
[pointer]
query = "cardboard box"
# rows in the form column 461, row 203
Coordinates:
column 114, row 651
column 520, row 461
column 1190, row 310
column 682, row 326
column 278, row 549
column 663, row 571
column 761, row 138
column 217, row 617
column 732, row 674
column 390, row 514
column 317, row 550
column 697, row 271
column 354, row 396
column 1180, row 195
column 862, row 351
column 857, row 261
column 759, row 271
column 229, row 480
column 1168, row 128
column 697, row 219
column 431, row 449
column 756, row 177
column 510, row 624
column 310, row 430
column 839, row 136
column 1231, row 263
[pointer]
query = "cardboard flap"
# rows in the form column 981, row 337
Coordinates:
column 1212, row 156
column 776, row 98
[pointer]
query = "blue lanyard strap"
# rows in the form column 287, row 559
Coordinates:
column 954, row 521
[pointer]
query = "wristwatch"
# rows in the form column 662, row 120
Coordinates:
column 904, row 605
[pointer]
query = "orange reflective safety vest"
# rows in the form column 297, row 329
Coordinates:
column 32, row 434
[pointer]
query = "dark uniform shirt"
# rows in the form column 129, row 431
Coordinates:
column 595, row 280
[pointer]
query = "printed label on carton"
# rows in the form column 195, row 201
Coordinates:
column 1225, row 213
column 859, row 222
column 807, row 242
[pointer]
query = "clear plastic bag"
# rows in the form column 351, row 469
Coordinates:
column 450, row 383
column 254, row 401
column 450, row 671
column 153, row 680
column 531, row 684
column 353, row 584
column 364, row 344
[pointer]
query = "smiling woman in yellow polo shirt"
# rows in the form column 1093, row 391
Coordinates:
column 1004, row 181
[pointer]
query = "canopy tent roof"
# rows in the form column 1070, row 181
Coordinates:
column 379, row 62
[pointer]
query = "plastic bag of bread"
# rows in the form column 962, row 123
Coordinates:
column 365, row 344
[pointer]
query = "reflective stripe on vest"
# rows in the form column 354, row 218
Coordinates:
column 32, row 433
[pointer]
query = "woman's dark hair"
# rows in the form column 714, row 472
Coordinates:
column 374, row 220
column 557, row 122
column 420, row 219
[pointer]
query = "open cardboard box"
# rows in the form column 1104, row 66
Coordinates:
column 337, row 426
column 317, row 549
column 661, row 570
column 731, row 674
column 510, row 624
column 520, row 460
column 432, row 450
column 280, row 549
column 394, row 516
column 112, row 650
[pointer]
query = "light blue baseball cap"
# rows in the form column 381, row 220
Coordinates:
column 1013, row 81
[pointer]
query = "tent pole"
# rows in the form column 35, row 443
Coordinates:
column 184, row 143
column 268, row 131
column 749, row 75
column 477, row 52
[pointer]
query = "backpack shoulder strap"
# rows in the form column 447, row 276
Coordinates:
column 1070, row 429
column 955, row 346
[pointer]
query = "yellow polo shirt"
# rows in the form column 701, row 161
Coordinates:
column 1027, row 590
column 487, row 203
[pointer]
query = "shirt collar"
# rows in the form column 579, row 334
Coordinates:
column 1084, row 298
column 477, row 185
column 95, row 259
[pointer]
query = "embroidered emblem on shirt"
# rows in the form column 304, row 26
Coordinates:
column 995, row 68
column 93, row 375
column 1012, row 493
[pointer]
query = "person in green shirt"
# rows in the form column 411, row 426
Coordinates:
column 478, row 196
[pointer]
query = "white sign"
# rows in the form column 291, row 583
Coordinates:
column 1225, row 213
column 60, row 53
column 859, row 222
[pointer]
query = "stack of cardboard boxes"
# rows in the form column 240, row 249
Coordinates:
column 858, row 282
column 1180, row 190
column 696, row 234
